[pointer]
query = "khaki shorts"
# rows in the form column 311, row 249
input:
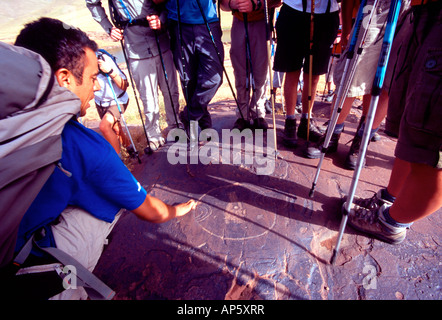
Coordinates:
column 415, row 98
column 369, row 57
column 83, row 237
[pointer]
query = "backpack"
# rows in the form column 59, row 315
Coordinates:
column 33, row 112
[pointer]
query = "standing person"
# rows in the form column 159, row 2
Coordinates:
column 144, row 59
column 106, row 104
column 414, row 114
column 81, row 201
column 195, row 55
column 251, row 31
column 292, row 56
column 361, row 84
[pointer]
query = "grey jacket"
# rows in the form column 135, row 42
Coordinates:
column 139, row 40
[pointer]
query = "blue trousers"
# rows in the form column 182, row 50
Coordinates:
column 198, row 65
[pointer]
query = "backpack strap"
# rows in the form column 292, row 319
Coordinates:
column 95, row 288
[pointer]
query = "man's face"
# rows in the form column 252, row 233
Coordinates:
column 85, row 91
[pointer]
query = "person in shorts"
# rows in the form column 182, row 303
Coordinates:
column 293, row 55
column 365, row 70
column 414, row 113
column 113, row 83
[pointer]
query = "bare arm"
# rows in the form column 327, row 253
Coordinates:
column 346, row 14
column 156, row 211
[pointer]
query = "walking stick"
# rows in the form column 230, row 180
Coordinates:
column 218, row 54
column 166, row 77
column 269, row 59
column 375, row 93
column 346, row 79
column 116, row 20
column 122, row 117
column 148, row 149
column 329, row 69
column 250, row 80
column 310, row 69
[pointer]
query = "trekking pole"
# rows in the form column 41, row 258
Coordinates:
column 329, row 69
column 122, row 117
column 219, row 55
column 269, row 59
column 116, row 20
column 180, row 40
column 346, row 79
column 310, row 69
column 250, row 80
column 166, row 77
column 375, row 93
column 148, row 149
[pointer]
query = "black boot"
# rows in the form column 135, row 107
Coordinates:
column 313, row 151
column 315, row 133
column 352, row 157
column 289, row 139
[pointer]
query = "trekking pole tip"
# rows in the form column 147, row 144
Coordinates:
column 148, row 150
column 278, row 155
column 334, row 256
column 312, row 192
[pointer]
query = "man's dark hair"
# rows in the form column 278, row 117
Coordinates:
column 60, row 44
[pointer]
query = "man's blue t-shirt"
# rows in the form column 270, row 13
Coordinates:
column 93, row 178
column 190, row 12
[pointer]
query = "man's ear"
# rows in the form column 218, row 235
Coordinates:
column 64, row 77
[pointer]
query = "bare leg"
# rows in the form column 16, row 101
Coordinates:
column 420, row 195
column 290, row 91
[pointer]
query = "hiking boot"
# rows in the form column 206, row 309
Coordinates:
column 289, row 138
column 205, row 122
column 315, row 133
column 156, row 142
column 375, row 202
column 314, row 150
column 372, row 221
column 260, row 123
column 351, row 160
column 241, row 124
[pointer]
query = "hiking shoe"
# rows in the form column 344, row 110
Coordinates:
column 156, row 142
column 372, row 221
column 289, row 138
column 375, row 202
column 241, row 124
column 315, row 133
column 314, row 150
column 351, row 160
column 376, row 137
column 260, row 123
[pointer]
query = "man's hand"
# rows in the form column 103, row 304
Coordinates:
column 154, row 22
column 116, row 34
column 244, row 5
column 105, row 65
column 183, row 208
